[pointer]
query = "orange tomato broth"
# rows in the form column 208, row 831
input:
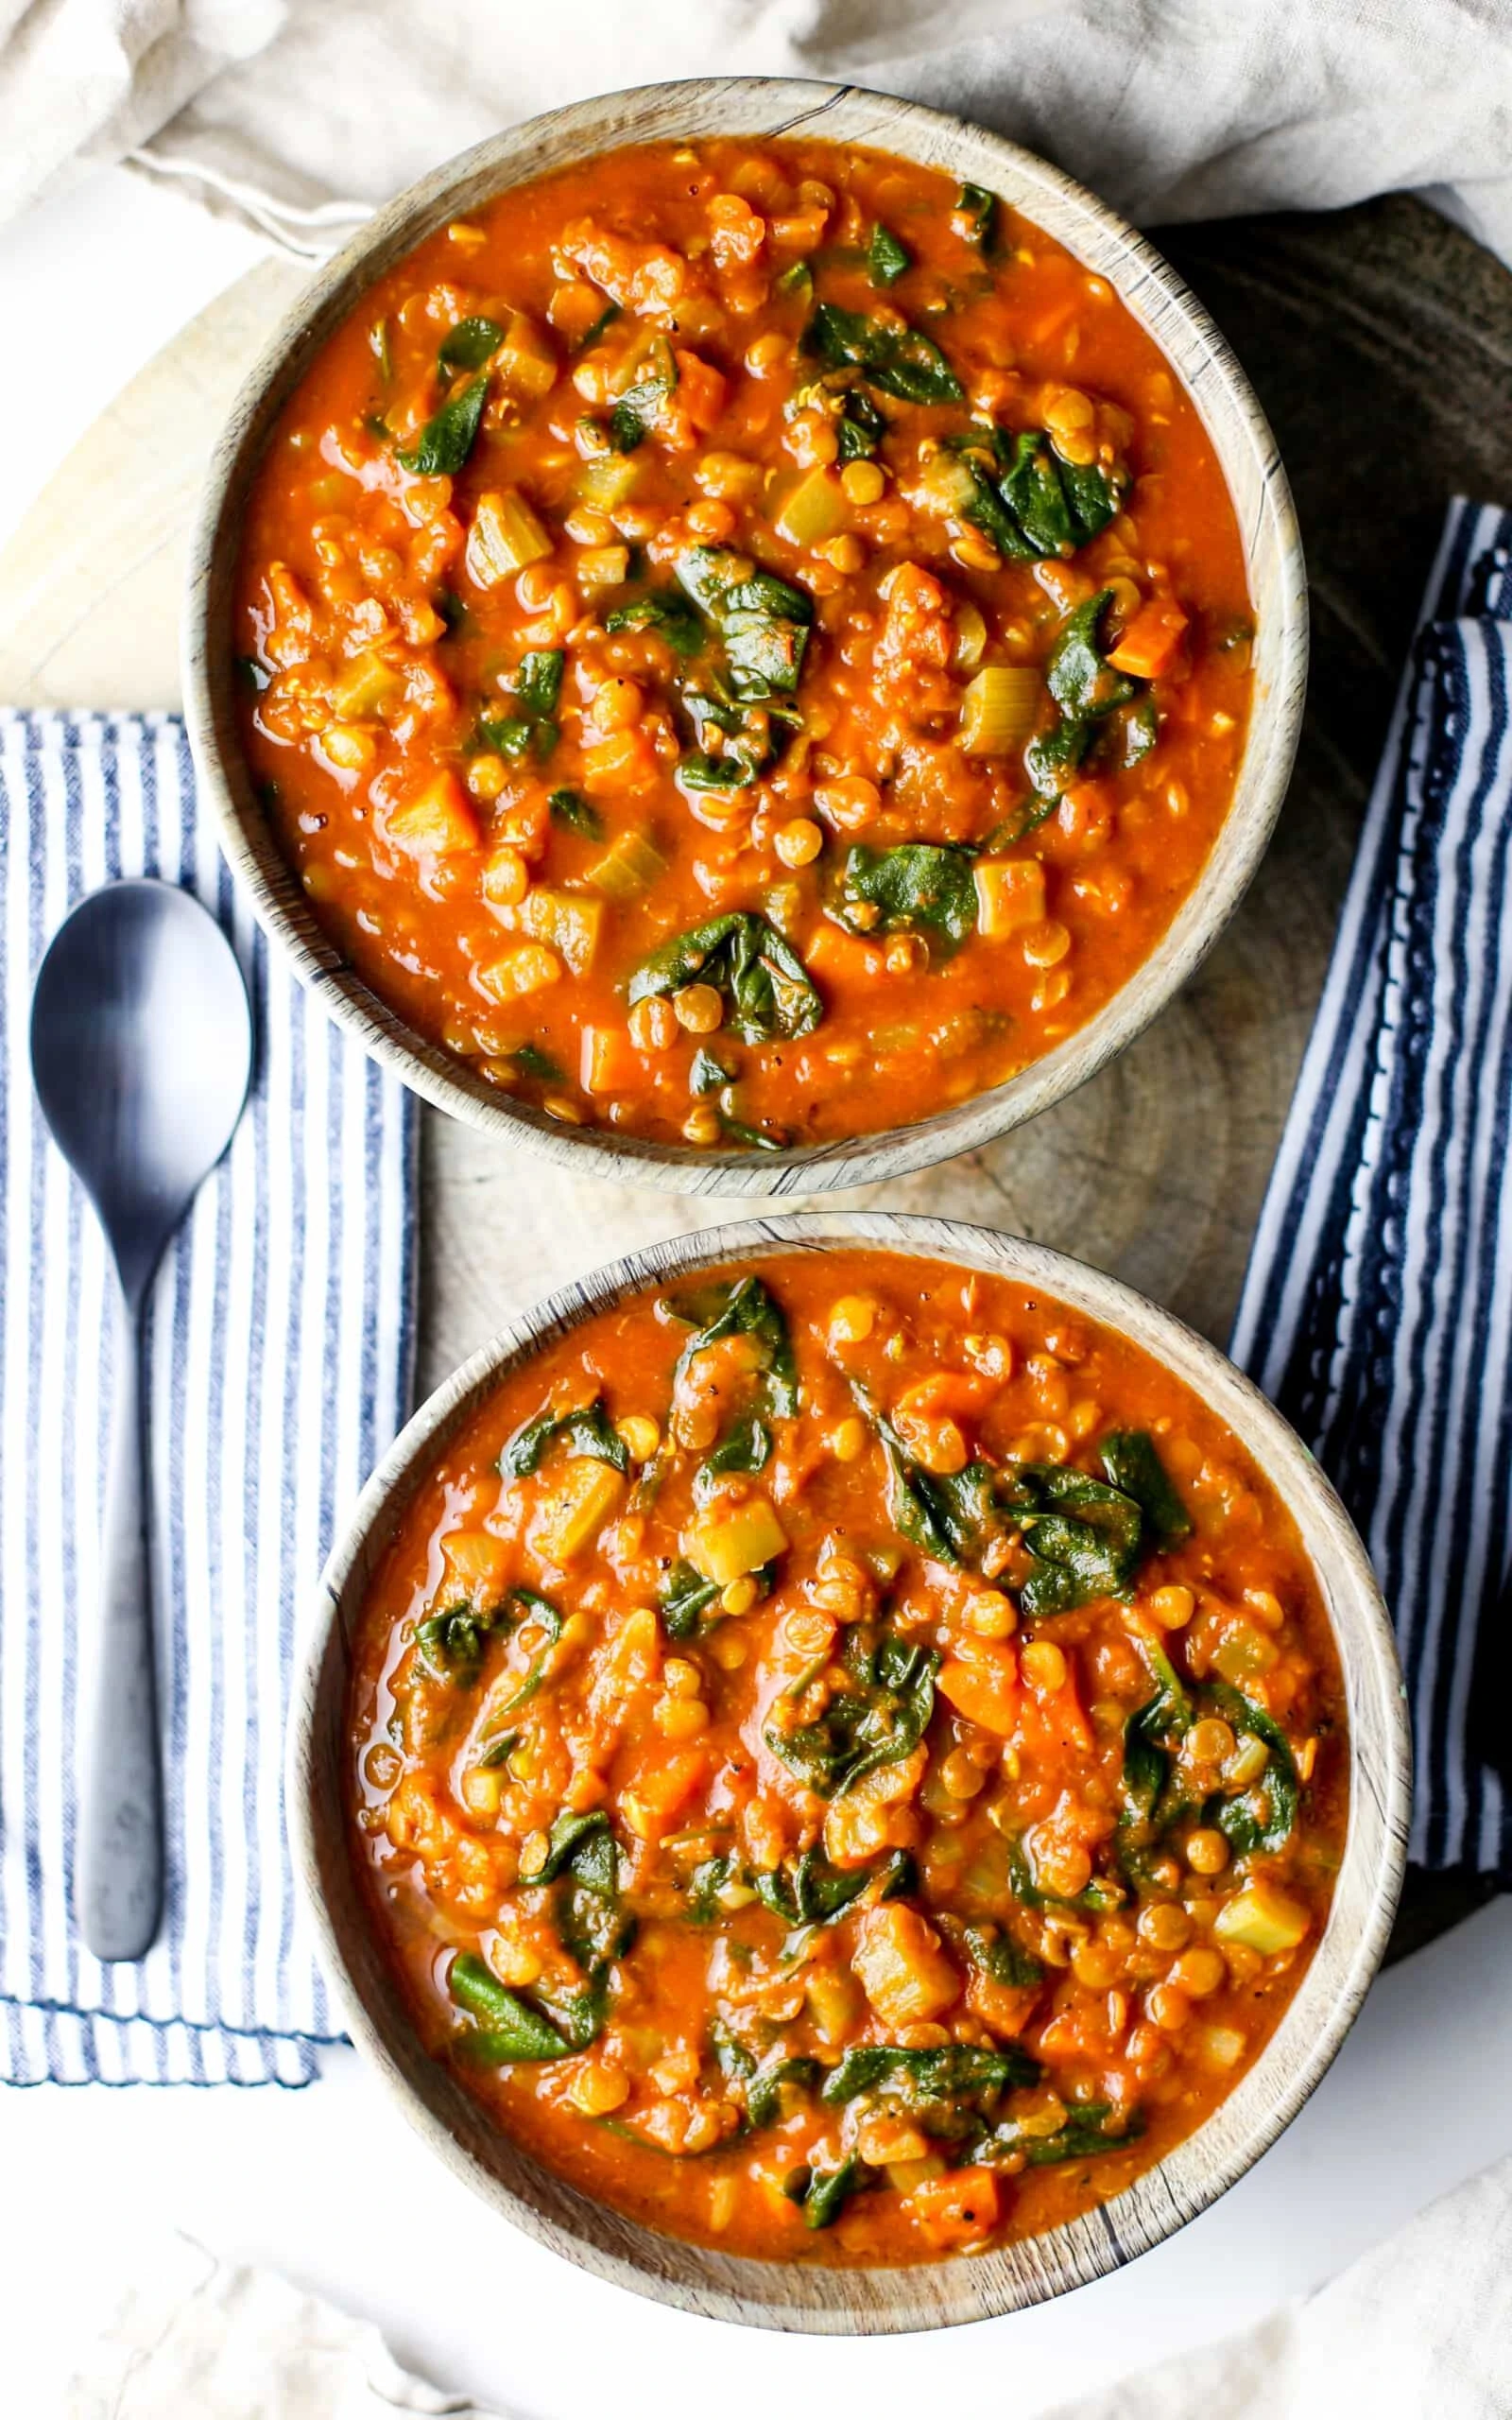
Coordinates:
column 996, row 1888
column 384, row 617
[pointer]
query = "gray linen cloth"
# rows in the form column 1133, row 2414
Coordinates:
column 298, row 115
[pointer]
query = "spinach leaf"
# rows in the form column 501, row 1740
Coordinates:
column 469, row 344
column 685, row 1595
column 763, row 981
column 1132, row 1464
column 1024, row 497
column 512, row 736
column 499, row 1750
column 537, row 681
column 1086, row 2131
column 808, row 1890
column 523, row 1604
column 1263, row 1817
column 605, row 321
column 1151, row 1735
column 894, row 358
column 886, row 257
column 731, row 771
column 763, row 2088
column 762, row 621
column 878, row 1720
column 1092, row 699
column 979, row 209
column 448, row 437
column 538, row 1064
column 999, row 1957
column 451, row 1642
column 643, row 402
column 750, row 1308
column 860, row 428
column 822, row 2193
column 664, row 611
column 705, row 1883
column 708, row 1074
column 571, row 808
column 918, row 884
column 587, row 1433
column 572, row 1839
column 1085, row 1538
column 747, row 1448
column 916, row 2078
column 507, row 2027
column 1095, row 1900
column 947, row 1518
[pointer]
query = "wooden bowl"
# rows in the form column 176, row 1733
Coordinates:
column 790, row 2294
column 760, row 106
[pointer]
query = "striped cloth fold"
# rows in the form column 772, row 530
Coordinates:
column 1377, row 1310
column 277, row 1368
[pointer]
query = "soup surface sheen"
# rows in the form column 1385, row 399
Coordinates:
column 747, row 644
column 847, row 1758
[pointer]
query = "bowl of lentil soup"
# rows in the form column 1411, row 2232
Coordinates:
column 750, row 634
column 850, row 1773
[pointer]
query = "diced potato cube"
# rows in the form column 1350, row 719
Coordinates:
column 361, row 688
column 566, row 920
column 660, row 1791
column 816, row 509
column 603, row 567
column 1010, row 893
column 628, row 865
column 482, row 1788
column 437, row 821
column 904, row 1971
column 610, row 1063
column 574, row 1507
column 728, row 1541
column 476, row 1560
column 1262, row 1918
column 505, row 536
column 526, row 362
column 833, row 2002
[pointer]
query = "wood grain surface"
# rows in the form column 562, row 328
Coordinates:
column 1379, row 342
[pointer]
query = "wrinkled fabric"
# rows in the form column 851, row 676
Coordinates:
column 299, row 116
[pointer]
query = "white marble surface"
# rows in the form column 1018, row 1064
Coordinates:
column 327, row 2187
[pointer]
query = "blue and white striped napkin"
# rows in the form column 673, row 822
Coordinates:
column 278, row 1368
column 1377, row 1310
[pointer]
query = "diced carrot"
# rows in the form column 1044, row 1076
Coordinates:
column 954, row 2210
column 624, row 761
column 1054, row 1724
column 1151, row 639
column 701, row 390
column 610, row 1062
column 837, row 953
column 981, row 1680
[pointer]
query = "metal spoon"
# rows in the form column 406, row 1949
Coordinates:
column 142, row 1052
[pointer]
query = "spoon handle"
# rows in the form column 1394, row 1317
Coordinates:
column 120, row 1858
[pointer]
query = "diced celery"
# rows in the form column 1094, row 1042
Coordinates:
column 505, row 536
column 1000, row 708
column 1262, row 1918
column 525, row 363
column 815, row 509
column 607, row 482
column 1010, row 893
column 628, row 866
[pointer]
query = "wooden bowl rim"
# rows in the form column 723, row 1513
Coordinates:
column 1149, row 288
column 792, row 2295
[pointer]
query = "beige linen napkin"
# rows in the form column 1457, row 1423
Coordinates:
column 298, row 114
column 1418, row 2330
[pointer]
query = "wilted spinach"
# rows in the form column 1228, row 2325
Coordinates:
column 506, row 2028
column 587, row 1433
column 915, row 2079
column 877, row 1719
column 887, row 257
column 920, row 885
column 822, row 2193
column 808, row 1890
column 1091, row 2127
column 448, row 437
column 898, row 360
column 1262, row 1816
column 763, row 980
column 469, row 345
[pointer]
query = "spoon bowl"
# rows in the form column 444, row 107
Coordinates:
column 142, row 1054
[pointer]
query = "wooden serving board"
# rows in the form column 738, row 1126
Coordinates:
column 1380, row 341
